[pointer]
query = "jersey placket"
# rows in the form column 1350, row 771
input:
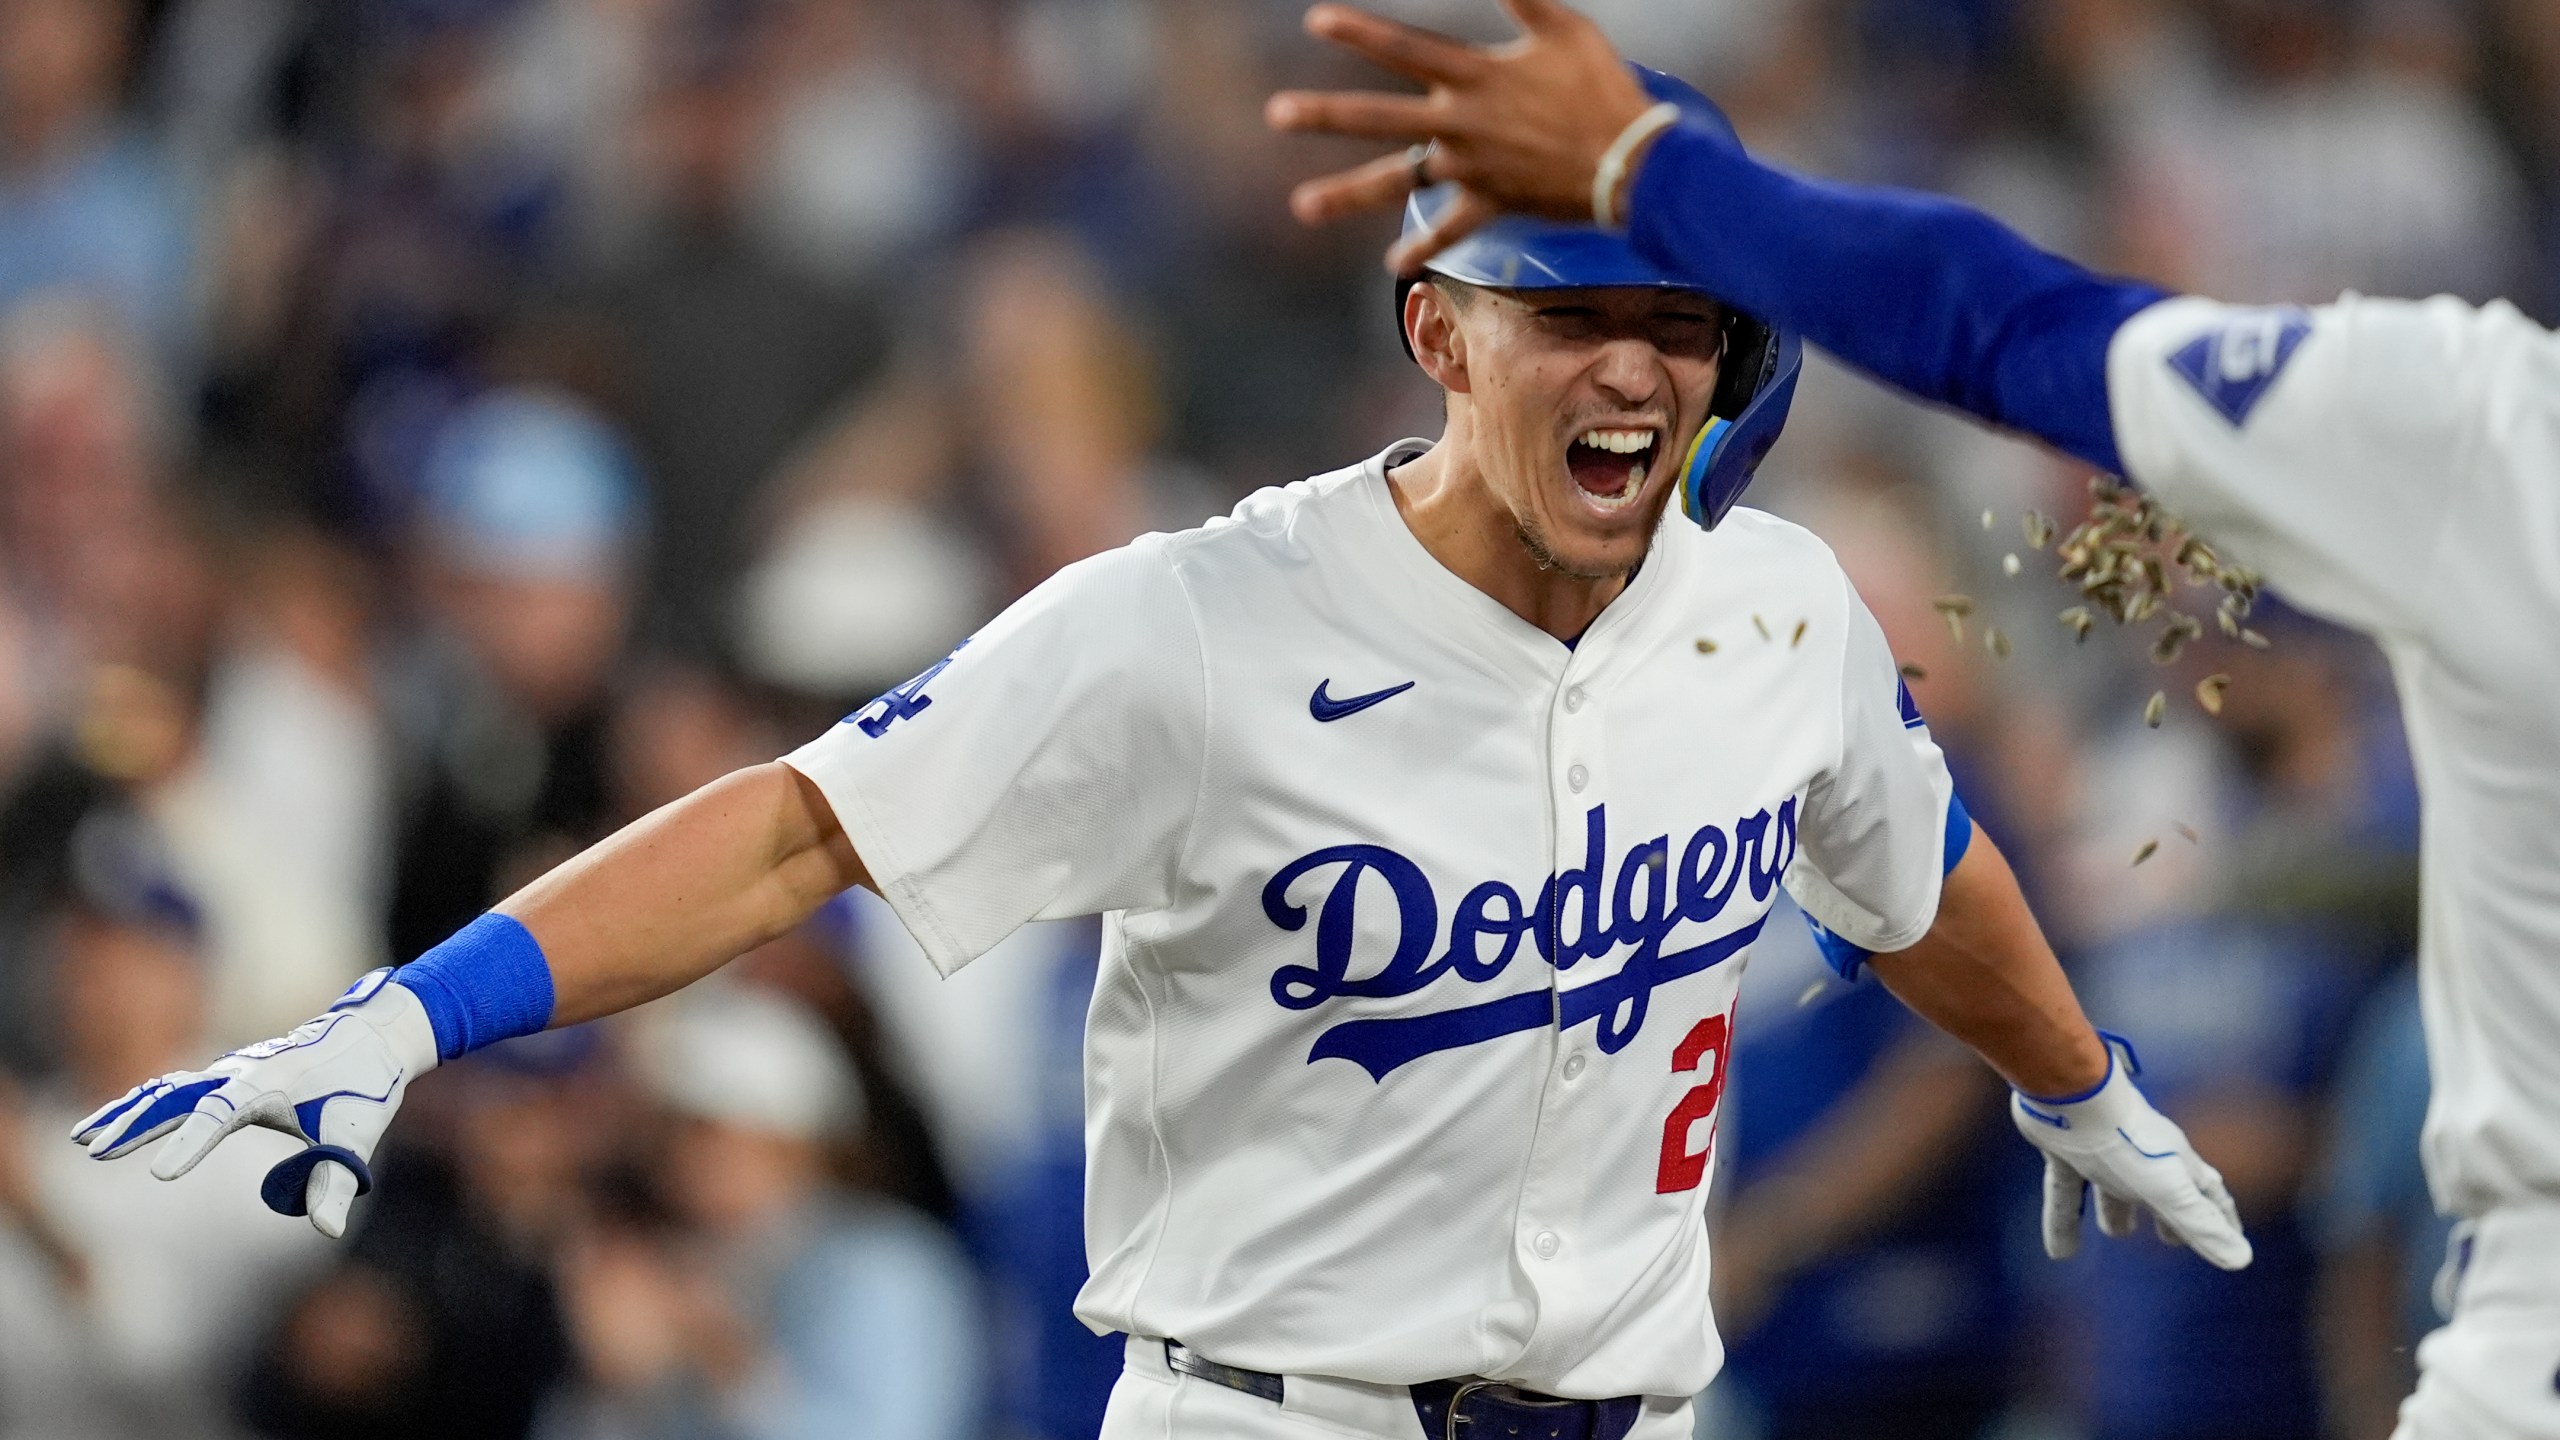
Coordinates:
column 1553, row 1178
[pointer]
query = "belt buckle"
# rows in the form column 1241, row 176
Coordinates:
column 1510, row 1394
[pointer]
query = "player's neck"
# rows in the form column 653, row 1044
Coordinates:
column 1456, row 516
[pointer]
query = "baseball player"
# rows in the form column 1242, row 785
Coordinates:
column 2390, row 465
column 1435, row 804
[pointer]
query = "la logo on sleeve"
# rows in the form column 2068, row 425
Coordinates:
column 2233, row 365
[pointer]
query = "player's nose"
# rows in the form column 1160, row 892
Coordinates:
column 1629, row 373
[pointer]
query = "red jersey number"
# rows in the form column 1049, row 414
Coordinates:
column 1683, row 1168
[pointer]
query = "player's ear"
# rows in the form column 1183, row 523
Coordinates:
column 1431, row 328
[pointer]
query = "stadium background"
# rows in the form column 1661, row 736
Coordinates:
column 435, row 431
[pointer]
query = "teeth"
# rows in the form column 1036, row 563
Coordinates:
column 1618, row 442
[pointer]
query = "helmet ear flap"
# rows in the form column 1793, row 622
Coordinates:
column 1750, row 358
column 1724, row 455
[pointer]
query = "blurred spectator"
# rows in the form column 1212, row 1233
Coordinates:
column 85, row 205
column 127, row 1303
column 2381, row 1241
column 733, row 355
column 780, row 1306
column 526, row 539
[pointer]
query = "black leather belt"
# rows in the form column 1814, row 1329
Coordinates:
column 1469, row 1409
column 1483, row 1410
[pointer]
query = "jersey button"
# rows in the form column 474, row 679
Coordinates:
column 1573, row 699
column 1577, row 777
column 1573, row 1067
column 1547, row 1244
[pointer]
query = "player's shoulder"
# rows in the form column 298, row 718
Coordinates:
column 1754, row 553
column 1278, row 525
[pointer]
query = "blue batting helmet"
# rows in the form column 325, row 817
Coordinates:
column 1758, row 379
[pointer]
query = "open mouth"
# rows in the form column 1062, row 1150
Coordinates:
column 1610, row 465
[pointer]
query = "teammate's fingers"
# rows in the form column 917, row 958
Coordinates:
column 2062, row 1190
column 2167, row 1235
column 1374, row 186
column 195, row 1139
column 327, row 1196
column 1540, row 17
column 1366, row 114
column 1457, row 221
column 2118, row 1215
column 1405, row 49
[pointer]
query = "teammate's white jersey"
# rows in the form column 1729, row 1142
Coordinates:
column 1424, row 929
column 2395, row 467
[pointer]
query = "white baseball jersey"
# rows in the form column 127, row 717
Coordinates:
column 2395, row 467
column 1424, row 929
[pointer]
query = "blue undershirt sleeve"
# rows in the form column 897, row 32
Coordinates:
column 1926, row 294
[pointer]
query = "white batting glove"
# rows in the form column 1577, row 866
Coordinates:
column 2136, row 1158
column 333, row 1084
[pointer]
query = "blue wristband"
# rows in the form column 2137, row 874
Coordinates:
column 487, row 983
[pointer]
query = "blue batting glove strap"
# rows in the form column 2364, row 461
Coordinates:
column 2110, row 1140
column 289, row 1182
column 1848, row 959
column 487, row 983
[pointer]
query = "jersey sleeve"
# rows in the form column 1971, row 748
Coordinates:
column 1873, row 834
column 2335, row 448
column 1047, row 768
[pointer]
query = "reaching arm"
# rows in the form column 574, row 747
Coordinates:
column 1926, row 294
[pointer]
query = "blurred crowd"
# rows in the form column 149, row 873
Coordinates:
column 434, row 432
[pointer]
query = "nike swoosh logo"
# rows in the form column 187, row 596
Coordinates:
column 1324, row 707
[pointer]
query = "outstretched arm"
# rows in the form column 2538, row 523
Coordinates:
column 681, row 891
column 664, row 901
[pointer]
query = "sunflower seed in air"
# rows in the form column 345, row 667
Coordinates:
column 2188, row 832
column 1953, row 609
column 2252, row 638
column 2077, row 620
column 2209, row 693
column 1995, row 641
column 2038, row 530
column 1706, row 646
column 2149, row 847
column 1798, row 638
column 1988, row 518
column 2009, row 564
column 1911, row 670
column 1760, row 625
column 2155, row 709
column 1812, row 992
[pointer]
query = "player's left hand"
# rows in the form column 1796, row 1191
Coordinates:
column 1519, row 127
column 2113, row 1142
column 333, row 1083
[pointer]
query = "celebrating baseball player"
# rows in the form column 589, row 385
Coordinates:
column 1435, row 805
column 2391, row 465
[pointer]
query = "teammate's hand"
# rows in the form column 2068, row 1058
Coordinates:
column 333, row 1084
column 1519, row 127
column 2136, row 1159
